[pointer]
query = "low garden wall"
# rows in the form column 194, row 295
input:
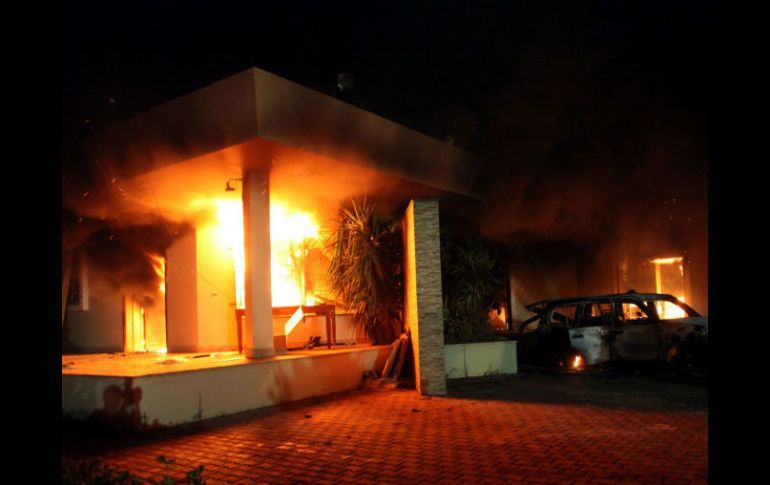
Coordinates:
column 480, row 359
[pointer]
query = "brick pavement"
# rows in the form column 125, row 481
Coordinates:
column 398, row 436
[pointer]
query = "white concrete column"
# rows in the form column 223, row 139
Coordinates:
column 258, row 332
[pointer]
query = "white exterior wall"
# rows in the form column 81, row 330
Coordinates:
column 100, row 327
column 201, row 293
column 480, row 359
column 216, row 291
column 181, row 295
column 182, row 397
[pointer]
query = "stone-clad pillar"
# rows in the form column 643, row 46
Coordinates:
column 258, row 332
column 423, row 308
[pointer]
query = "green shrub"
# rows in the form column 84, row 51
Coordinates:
column 75, row 471
column 471, row 276
column 94, row 472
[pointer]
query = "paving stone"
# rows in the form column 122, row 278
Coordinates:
column 455, row 441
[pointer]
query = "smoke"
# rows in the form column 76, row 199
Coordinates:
column 575, row 158
column 587, row 164
column 117, row 238
column 122, row 256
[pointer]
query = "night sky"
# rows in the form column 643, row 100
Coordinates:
column 577, row 111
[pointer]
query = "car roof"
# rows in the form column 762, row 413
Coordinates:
column 544, row 304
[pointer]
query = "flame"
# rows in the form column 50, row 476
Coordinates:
column 230, row 219
column 290, row 226
column 292, row 233
column 159, row 265
column 667, row 260
column 668, row 310
column 578, row 362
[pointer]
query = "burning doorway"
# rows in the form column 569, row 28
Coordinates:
column 144, row 314
column 658, row 275
column 669, row 278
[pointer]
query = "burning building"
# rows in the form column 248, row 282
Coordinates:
column 587, row 226
column 237, row 185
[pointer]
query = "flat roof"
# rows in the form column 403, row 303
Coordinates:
column 256, row 110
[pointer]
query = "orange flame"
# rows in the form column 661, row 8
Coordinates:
column 578, row 362
column 159, row 265
column 291, row 234
column 230, row 218
column 668, row 310
column 667, row 260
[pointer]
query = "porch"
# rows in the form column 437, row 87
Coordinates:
column 154, row 389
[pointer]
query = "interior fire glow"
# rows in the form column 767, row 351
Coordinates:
column 292, row 233
column 159, row 265
column 669, row 278
column 230, row 218
column 666, row 260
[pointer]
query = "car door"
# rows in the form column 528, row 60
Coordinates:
column 635, row 335
column 589, row 334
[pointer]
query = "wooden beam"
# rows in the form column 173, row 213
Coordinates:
column 391, row 358
column 404, row 347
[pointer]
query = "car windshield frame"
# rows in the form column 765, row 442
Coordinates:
column 650, row 300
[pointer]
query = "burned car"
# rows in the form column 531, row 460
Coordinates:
column 627, row 327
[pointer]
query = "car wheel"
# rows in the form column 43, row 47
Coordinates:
column 687, row 363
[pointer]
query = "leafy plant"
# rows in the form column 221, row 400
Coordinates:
column 471, row 276
column 192, row 477
column 96, row 472
column 167, row 480
column 366, row 269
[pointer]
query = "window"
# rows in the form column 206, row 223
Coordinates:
column 630, row 312
column 563, row 315
column 594, row 315
column 77, row 295
column 668, row 310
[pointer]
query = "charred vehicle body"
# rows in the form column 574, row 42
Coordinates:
column 627, row 327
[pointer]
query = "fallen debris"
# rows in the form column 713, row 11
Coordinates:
column 403, row 348
column 391, row 358
column 394, row 365
column 386, row 384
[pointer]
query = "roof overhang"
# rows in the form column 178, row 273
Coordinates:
column 255, row 120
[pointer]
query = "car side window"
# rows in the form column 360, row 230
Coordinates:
column 563, row 316
column 594, row 315
column 630, row 313
column 531, row 324
column 667, row 310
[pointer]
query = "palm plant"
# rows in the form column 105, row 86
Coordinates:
column 365, row 269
